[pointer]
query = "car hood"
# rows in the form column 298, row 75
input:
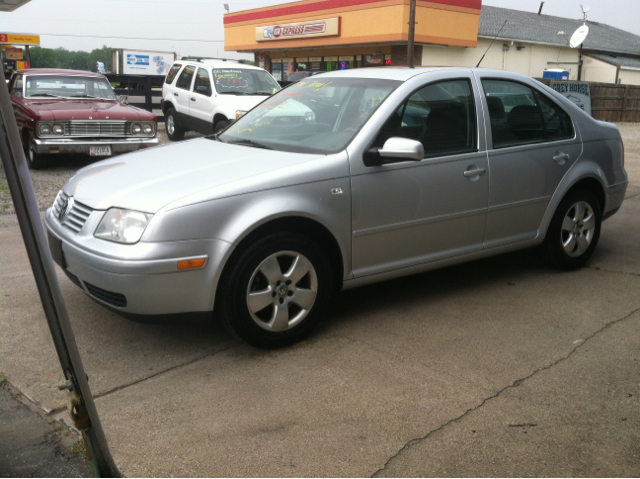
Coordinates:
column 151, row 179
column 86, row 110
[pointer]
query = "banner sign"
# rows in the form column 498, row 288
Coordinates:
column 146, row 63
column 327, row 27
column 19, row 39
column 13, row 53
column 577, row 92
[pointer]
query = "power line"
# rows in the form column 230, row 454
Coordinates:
column 132, row 38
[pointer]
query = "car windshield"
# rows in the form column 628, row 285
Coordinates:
column 315, row 115
column 66, row 86
column 243, row 81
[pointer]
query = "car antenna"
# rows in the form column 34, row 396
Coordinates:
column 495, row 38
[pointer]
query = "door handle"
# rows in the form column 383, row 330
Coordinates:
column 561, row 157
column 175, row 94
column 476, row 172
column 193, row 99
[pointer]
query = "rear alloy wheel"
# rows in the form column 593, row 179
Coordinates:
column 574, row 231
column 174, row 131
column 36, row 161
column 277, row 291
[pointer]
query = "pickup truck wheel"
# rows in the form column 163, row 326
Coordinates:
column 574, row 231
column 36, row 161
column 174, row 131
column 276, row 291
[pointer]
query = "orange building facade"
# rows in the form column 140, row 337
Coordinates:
column 327, row 35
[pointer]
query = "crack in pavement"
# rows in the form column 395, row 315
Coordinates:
column 138, row 381
column 514, row 384
column 597, row 268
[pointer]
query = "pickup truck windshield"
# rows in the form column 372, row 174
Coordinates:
column 67, row 86
column 315, row 115
column 243, row 81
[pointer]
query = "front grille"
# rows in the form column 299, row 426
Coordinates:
column 114, row 299
column 96, row 128
column 77, row 215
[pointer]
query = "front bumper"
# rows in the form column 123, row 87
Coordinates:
column 139, row 279
column 70, row 145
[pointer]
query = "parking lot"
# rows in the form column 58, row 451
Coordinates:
column 500, row 367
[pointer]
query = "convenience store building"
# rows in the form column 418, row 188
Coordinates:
column 326, row 35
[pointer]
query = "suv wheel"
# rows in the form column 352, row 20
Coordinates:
column 574, row 231
column 277, row 290
column 174, row 131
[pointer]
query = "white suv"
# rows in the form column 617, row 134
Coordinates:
column 190, row 102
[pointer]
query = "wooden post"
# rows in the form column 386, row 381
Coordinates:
column 625, row 102
column 412, row 33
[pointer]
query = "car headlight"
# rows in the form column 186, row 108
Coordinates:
column 122, row 226
column 239, row 113
column 44, row 129
column 58, row 129
column 136, row 128
column 147, row 128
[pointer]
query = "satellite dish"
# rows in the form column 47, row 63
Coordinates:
column 579, row 36
column 585, row 9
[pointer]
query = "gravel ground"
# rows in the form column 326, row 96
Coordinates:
column 48, row 182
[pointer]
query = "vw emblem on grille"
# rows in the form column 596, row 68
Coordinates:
column 65, row 207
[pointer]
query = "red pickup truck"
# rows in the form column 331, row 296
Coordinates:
column 69, row 111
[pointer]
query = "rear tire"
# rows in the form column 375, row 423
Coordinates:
column 174, row 131
column 36, row 161
column 276, row 292
column 574, row 231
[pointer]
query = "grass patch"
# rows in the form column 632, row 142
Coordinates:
column 77, row 447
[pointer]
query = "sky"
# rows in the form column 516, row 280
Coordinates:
column 194, row 27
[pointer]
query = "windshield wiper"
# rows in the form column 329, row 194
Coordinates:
column 87, row 96
column 249, row 143
column 45, row 94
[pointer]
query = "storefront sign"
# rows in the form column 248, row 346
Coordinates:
column 327, row 27
column 358, row 57
column 13, row 53
column 330, row 59
column 346, row 58
column 286, row 59
column 577, row 92
column 374, row 59
column 303, row 59
column 19, row 39
column 315, row 59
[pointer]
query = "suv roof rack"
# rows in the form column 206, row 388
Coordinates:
column 199, row 59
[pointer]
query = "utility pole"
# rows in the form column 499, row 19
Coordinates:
column 412, row 33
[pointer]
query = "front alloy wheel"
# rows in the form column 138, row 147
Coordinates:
column 282, row 291
column 276, row 290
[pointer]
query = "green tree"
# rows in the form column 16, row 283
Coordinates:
column 43, row 58
column 73, row 60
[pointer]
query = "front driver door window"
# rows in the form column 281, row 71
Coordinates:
column 408, row 213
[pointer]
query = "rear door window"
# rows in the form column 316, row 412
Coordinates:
column 186, row 77
column 519, row 115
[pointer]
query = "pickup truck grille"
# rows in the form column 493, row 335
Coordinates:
column 77, row 215
column 96, row 128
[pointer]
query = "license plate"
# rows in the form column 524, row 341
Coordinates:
column 55, row 246
column 100, row 150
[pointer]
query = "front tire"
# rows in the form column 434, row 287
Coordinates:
column 276, row 291
column 574, row 231
column 36, row 161
column 174, row 131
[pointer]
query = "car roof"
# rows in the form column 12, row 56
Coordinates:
column 400, row 73
column 220, row 63
column 57, row 71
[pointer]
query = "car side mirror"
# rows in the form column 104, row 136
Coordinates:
column 394, row 150
column 203, row 90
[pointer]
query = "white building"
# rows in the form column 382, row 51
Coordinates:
column 530, row 43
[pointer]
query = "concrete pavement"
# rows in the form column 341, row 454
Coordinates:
column 501, row 367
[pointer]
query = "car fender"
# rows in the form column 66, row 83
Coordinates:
column 581, row 170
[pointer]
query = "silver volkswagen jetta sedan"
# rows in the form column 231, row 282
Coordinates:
column 340, row 180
